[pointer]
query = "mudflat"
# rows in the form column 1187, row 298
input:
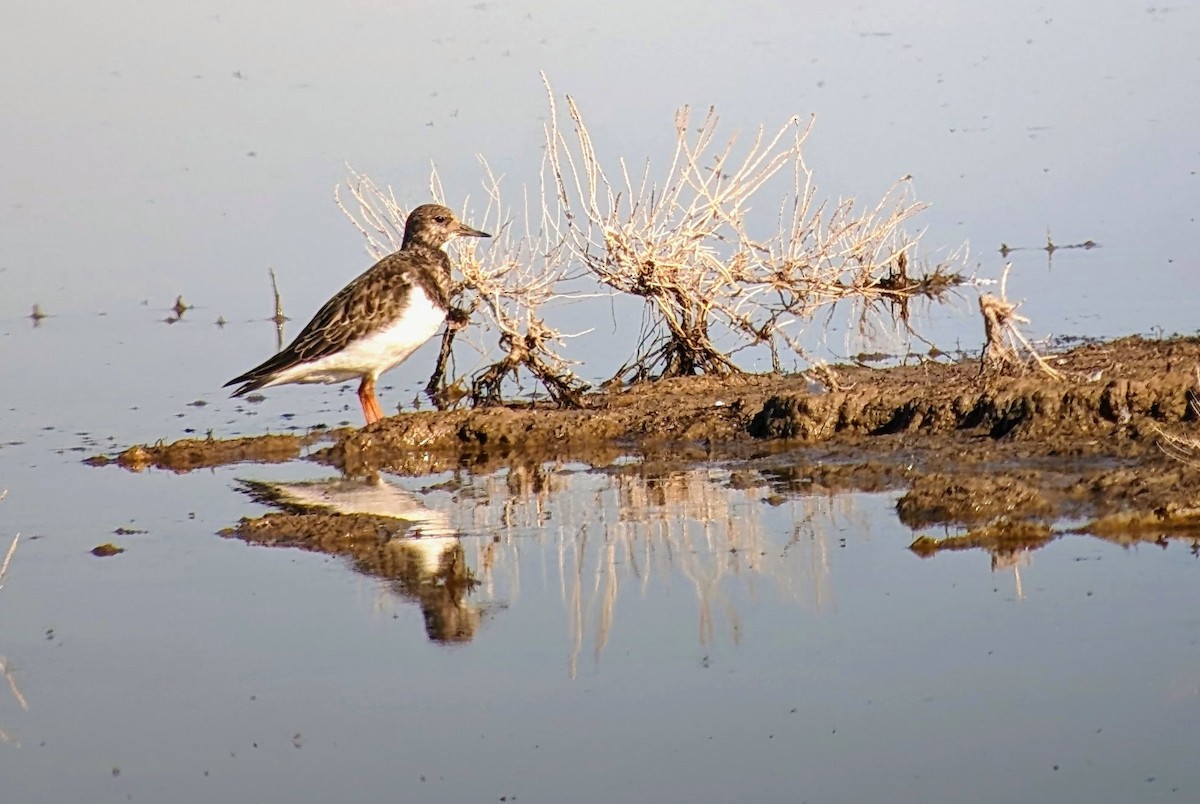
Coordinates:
column 1005, row 455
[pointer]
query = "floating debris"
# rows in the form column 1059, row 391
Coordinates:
column 1050, row 247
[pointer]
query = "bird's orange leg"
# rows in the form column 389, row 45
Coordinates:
column 370, row 403
column 376, row 410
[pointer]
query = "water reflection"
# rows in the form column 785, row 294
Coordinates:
column 5, row 562
column 421, row 556
column 372, row 495
column 11, row 680
column 465, row 546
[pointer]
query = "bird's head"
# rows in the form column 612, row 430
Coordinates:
column 434, row 225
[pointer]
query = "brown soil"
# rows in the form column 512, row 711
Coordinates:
column 1004, row 455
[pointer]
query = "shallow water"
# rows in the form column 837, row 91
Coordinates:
column 700, row 634
column 638, row 633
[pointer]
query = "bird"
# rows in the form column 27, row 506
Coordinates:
column 376, row 321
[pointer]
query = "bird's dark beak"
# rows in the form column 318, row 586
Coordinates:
column 466, row 231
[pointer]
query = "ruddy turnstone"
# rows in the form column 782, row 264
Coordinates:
column 376, row 321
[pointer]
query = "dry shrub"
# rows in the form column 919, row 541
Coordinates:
column 1005, row 346
column 501, row 287
column 683, row 244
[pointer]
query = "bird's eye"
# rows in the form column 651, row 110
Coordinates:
column 440, row 218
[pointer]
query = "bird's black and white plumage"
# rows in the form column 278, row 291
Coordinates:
column 376, row 321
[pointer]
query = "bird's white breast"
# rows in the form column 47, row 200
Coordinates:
column 377, row 352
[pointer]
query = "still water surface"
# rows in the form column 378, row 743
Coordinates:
column 639, row 633
column 704, row 634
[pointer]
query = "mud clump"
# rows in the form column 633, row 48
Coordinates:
column 1000, row 538
column 1169, row 519
column 1110, row 400
column 692, row 410
column 191, row 453
column 323, row 533
column 939, row 498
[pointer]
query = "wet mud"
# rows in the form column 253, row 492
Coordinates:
column 1003, row 456
column 194, row 453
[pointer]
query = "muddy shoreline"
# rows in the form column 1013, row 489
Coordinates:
column 995, row 454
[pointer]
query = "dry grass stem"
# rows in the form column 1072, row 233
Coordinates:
column 1005, row 346
column 1182, row 448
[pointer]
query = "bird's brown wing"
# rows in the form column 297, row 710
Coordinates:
column 369, row 303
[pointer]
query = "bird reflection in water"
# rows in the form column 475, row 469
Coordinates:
column 388, row 533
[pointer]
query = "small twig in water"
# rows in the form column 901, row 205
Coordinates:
column 279, row 318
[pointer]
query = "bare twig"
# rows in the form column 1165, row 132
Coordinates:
column 279, row 318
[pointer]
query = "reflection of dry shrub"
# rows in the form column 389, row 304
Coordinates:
column 506, row 285
column 683, row 245
column 5, row 737
column 1004, row 343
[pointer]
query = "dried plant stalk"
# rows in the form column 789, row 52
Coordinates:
column 1183, row 448
column 1004, row 343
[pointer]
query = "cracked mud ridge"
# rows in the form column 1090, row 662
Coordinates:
column 1006, row 457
